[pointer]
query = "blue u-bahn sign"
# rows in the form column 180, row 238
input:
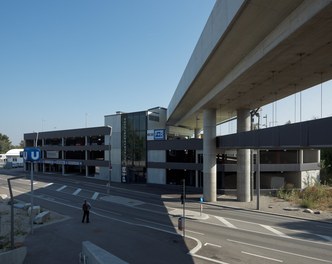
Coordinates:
column 31, row 154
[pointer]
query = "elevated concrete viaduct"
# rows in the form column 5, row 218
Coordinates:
column 250, row 53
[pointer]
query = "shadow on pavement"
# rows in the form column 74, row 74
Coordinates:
column 133, row 233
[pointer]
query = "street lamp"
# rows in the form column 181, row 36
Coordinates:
column 109, row 160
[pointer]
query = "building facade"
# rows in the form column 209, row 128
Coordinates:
column 131, row 131
column 141, row 155
column 82, row 151
column 139, row 147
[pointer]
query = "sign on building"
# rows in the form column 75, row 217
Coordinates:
column 159, row 134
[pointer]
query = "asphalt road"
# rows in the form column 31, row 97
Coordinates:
column 139, row 225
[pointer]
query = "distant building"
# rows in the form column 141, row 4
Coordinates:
column 3, row 160
column 13, row 158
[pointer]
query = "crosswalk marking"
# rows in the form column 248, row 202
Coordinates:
column 225, row 222
column 95, row 195
column 49, row 184
column 61, row 188
column 77, row 191
column 273, row 230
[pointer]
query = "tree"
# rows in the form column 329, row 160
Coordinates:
column 19, row 146
column 5, row 143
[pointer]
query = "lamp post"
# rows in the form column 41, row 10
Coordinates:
column 184, row 208
column 109, row 160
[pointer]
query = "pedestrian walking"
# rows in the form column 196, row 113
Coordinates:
column 86, row 211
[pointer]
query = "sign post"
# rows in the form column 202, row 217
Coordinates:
column 201, row 200
column 184, row 208
column 31, row 155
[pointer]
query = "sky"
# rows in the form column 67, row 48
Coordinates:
column 312, row 103
column 66, row 64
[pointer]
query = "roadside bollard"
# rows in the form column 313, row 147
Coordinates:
column 180, row 227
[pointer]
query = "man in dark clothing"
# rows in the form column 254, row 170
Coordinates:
column 86, row 211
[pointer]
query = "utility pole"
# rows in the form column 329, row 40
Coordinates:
column 258, row 177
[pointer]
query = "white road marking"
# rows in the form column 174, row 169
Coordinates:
column 49, row 184
column 225, row 222
column 280, row 251
column 328, row 238
column 61, row 188
column 273, row 230
column 151, row 222
column 212, row 245
column 259, row 256
column 198, row 233
column 95, row 195
column 77, row 191
column 15, row 190
column 208, row 259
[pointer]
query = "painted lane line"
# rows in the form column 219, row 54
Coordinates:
column 212, row 245
column 259, row 256
column 49, row 184
column 61, row 188
column 77, row 191
column 95, row 195
column 151, row 222
column 328, row 238
column 198, row 233
column 225, row 222
column 279, row 251
column 18, row 191
column 208, row 259
column 273, row 230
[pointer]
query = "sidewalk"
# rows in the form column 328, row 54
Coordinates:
column 276, row 206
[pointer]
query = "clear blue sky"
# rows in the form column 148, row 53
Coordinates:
column 65, row 62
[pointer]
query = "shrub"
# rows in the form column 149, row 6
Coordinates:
column 316, row 197
column 287, row 193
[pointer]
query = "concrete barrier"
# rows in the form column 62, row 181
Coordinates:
column 42, row 217
column 15, row 256
column 93, row 254
column 34, row 211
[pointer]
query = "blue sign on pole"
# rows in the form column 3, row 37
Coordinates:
column 31, row 154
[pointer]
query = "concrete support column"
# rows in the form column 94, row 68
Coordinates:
column 209, row 156
column 318, row 156
column 63, row 157
column 300, row 156
column 243, row 158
